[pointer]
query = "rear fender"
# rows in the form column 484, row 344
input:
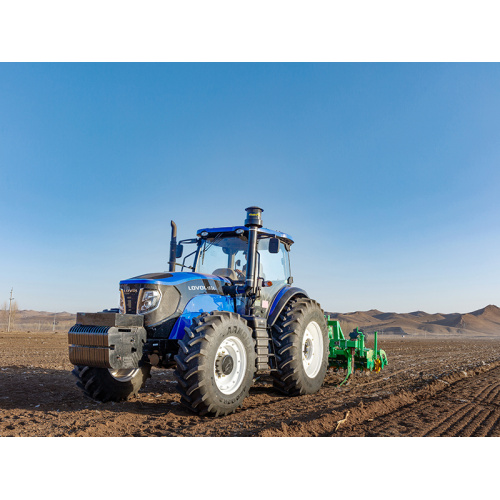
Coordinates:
column 282, row 300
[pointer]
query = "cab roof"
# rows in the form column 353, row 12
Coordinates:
column 212, row 231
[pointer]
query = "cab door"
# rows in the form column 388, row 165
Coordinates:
column 274, row 269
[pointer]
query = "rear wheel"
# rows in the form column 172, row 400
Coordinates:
column 103, row 385
column 215, row 363
column 301, row 343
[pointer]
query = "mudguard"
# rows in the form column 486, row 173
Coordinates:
column 281, row 300
column 200, row 304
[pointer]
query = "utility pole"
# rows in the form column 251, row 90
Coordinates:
column 10, row 307
column 54, row 324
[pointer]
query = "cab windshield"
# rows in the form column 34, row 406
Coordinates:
column 227, row 257
column 224, row 257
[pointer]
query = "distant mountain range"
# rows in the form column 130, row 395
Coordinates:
column 28, row 320
column 484, row 321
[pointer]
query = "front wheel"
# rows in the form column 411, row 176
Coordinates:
column 301, row 344
column 215, row 363
column 103, row 385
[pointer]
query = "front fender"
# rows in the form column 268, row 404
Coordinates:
column 197, row 305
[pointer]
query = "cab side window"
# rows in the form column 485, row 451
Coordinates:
column 273, row 266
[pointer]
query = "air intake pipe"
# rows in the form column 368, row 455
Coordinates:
column 253, row 222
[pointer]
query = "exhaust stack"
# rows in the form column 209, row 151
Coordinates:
column 173, row 247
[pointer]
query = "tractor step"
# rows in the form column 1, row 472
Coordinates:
column 259, row 329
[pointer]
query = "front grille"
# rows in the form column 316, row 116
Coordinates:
column 131, row 297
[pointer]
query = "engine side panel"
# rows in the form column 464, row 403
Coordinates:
column 196, row 306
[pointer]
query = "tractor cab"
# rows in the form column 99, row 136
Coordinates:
column 223, row 252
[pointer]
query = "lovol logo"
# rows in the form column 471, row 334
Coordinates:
column 201, row 287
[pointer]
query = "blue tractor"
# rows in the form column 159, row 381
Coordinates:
column 230, row 315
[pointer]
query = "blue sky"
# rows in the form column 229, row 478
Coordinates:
column 386, row 175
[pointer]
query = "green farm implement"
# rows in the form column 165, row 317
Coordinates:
column 352, row 354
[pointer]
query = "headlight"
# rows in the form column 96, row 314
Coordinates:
column 122, row 302
column 148, row 300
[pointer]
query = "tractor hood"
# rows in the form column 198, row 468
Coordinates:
column 176, row 278
column 162, row 297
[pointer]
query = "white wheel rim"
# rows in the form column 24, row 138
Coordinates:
column 124, row 375
column 227, row 381
column 312, row 349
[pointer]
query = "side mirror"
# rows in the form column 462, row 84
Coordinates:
column 178, row 251
column 274, row 245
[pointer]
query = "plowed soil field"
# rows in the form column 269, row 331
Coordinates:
column 431, row 387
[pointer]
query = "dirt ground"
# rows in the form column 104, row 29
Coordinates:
column 431, row 387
